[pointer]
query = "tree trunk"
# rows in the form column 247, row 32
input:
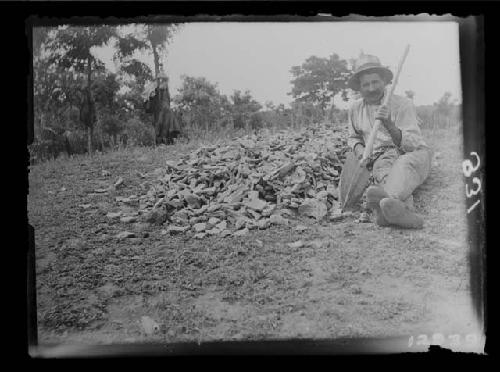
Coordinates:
column 89, row 139
column 101, row 139
column 40, row 124
column 300, row 123
column 90, row 123
column 329, row 116
column 156, row 61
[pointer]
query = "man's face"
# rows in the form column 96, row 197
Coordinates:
column 372, row 87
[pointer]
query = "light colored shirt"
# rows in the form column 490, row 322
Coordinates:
column 402, row 112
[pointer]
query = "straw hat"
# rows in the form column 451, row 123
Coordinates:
column 367, row 63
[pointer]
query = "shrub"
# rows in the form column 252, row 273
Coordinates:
column 431, row 117
column 139, row 133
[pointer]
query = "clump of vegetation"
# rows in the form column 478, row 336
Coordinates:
column 444, row 113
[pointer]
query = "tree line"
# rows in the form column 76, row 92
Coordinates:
column 80, row 105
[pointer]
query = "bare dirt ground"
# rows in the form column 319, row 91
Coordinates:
column 354, row 280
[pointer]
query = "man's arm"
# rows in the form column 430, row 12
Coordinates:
column 405, row 132
column 395, row 133
column 355, row 140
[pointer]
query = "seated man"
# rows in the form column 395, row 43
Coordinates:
column 402, row 160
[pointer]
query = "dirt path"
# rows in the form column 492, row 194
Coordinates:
column 354, row 279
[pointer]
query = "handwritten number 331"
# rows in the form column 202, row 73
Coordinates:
column 468, row 168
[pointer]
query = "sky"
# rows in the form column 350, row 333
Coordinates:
column 258, row 56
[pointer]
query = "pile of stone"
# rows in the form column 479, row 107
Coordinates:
column 251, row 183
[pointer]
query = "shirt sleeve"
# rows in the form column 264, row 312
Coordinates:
column 406, row 121
column 355, row 136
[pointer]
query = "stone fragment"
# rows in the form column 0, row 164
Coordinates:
column 119, row 182
column 253, row 195
column 338, row 215
column 213, row 231
column 125, row 235
column 222, row 225
column 225, row 233
column 141, row 226
column 317, row 243
column 297, row 244
column 313, row 208
column 253, row 214
column 240, row 223
column 213, row 221
column 333, row 191
column 156, row 216
column 174, row 230
column 277, row 219
column 252, row 226
column 363, row 218
column 241, row 232
column 199, row 227
column 256, row 204
column 114, row 215
column 193, row 201
column 264, row 223
column 322, row 195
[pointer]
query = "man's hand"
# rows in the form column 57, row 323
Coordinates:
column 358, row 150
column 394, row 132
column 383, row 115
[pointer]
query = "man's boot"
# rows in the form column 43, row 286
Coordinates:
column 397, row 213
column 374, row 194
column 410, row 203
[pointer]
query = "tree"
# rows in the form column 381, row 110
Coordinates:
column 105, row 90
column 319, row 80
column 269, row 105
column 159, row 36
column 410, row 94
column 150, row 39
column 40, row 35
column 446, row 111
column 56, row 93
column 46, row 83
column 71, row 48
column 201, row 103
column 305, row 112
column 245, row 110
column 444, row 105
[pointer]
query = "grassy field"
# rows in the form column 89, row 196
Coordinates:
column 353, row 280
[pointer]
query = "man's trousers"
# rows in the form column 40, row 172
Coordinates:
column 400, row 174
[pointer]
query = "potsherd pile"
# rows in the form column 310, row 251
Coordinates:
column 251, row 183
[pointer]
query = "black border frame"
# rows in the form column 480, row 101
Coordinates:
column 472, row 53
